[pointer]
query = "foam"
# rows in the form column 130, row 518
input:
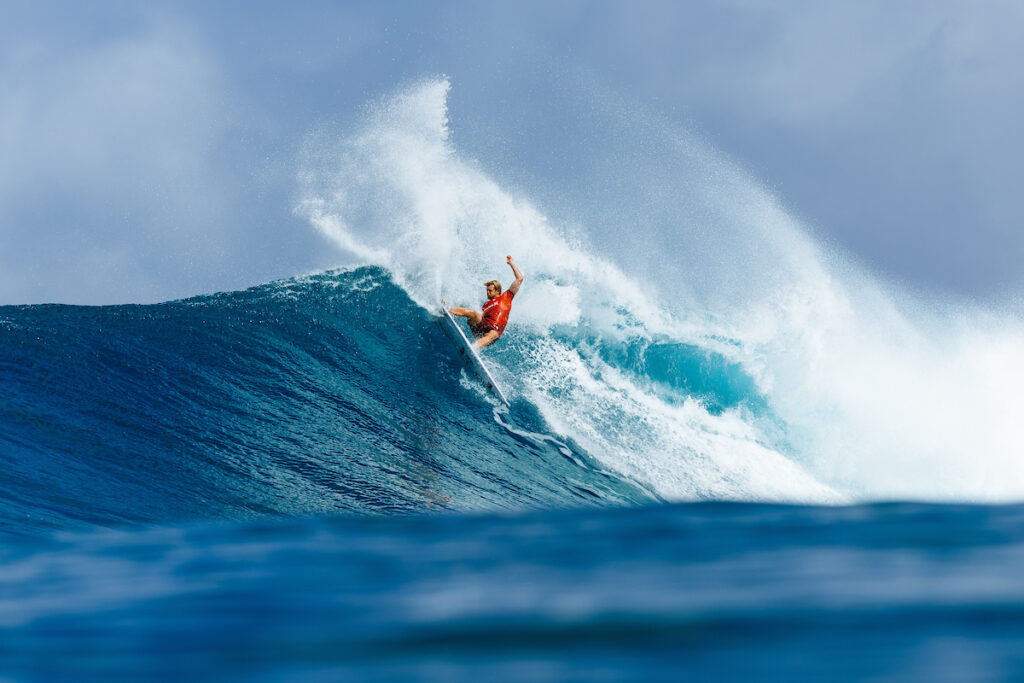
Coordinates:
column 878, row 395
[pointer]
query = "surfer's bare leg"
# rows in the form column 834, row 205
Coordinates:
column 487, row 339
column 469, row 314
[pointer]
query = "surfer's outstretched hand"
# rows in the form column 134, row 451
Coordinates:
column 514, row 287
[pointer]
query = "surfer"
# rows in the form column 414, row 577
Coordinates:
column 489, row 325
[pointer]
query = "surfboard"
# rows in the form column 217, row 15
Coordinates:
column 469, row 353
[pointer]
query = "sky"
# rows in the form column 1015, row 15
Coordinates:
column 150, row 151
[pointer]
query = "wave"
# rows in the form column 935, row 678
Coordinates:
column 771, row 370
column 329, row 393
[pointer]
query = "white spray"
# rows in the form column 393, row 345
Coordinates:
column 878, row 396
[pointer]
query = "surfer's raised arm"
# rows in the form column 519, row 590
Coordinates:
column 514, row 287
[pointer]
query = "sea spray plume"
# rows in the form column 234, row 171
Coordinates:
column 396, row 193
column 881, row 392
column 877, row 392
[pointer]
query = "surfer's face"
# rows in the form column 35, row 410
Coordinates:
column 491, row 292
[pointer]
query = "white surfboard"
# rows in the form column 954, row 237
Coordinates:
column 469, row 353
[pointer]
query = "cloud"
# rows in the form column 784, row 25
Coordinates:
column 107, row 177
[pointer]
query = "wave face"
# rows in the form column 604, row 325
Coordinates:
column 332, row 393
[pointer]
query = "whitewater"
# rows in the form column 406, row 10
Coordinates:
column 715, row 352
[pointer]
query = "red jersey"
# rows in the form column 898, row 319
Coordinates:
column 496, row 311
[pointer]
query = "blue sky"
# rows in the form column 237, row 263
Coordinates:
column 150, row 151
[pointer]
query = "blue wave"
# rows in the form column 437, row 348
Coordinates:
column 330, row 393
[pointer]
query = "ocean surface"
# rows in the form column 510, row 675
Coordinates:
column 730, row 454
column 301, row 481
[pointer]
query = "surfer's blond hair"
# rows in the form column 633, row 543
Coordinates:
column 497, row 285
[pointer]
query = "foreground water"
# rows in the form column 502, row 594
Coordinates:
column 665, row 592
